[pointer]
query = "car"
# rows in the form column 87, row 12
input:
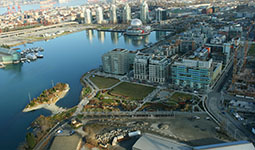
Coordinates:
column 72, row 132
column 223, row 112
column 253, row 130
column 196, row 117
column 60, row 131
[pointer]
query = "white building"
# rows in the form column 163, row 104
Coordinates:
column 144, row 14
column 218, row 39
column 126, row 14
column 113, row 15
column 158, row 69
column 141, row 66
column 99, row 15
column 87, row 16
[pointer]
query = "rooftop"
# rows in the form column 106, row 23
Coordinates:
column 200, row 54
column 66, row 142
column 4, row 51
column 154, row 142
column 238, row 145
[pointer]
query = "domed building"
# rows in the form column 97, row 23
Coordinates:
column 136, row 23
column 136, row 28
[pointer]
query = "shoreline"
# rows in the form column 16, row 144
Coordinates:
column 28, row 36
column 49, row 106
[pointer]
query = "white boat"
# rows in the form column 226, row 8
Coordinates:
column 40, row 49
column 39, row 56
column 2, row 65
column 31, row 57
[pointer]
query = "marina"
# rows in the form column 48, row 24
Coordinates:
column 15, row 55
column 31, row 54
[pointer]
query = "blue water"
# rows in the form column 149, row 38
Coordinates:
column 66, row 59
column 37, row 6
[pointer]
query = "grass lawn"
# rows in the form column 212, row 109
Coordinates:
column 103, row 82
column 109, row 101
column 251, row 51
column 133, row 91
column 179, row 97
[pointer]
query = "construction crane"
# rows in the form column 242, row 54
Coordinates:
column 193, row 45
column 235, row 64
column 235, row 74
column 246, row 46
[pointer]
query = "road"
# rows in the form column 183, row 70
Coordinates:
column 82, row 103
column 86, row 99
column 215, row 107
column 50, row 134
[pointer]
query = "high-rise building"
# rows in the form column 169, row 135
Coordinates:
column 141, row 66
column 99, row 15
column 144, row 12
column 126, row 14
column 113, row 14
column 154, row 69
column 87, row 16
column 118, row 61
column 161, row 14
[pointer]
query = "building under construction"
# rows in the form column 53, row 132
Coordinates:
column 243, row 80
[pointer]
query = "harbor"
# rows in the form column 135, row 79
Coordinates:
column 15, row 55
column 31, row 54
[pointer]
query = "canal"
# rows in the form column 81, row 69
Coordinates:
column 66, row 59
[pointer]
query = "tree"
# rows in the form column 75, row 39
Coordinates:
column 5, row 46
column 6, row 29
column 30, row 139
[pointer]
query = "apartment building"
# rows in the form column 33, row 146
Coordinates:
column 118, row 61
column 195, row 71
